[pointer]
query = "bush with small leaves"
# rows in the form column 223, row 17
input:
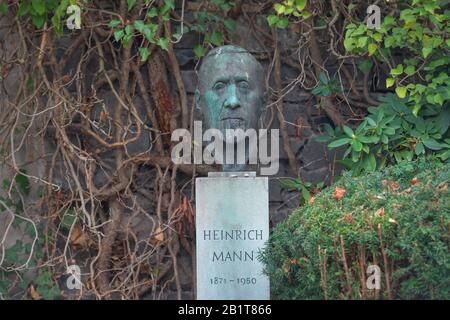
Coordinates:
column 397, row 219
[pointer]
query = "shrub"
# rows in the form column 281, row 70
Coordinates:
column 397, row 219
column 390, row 134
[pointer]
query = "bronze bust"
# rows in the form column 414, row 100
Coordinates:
column 230, row 92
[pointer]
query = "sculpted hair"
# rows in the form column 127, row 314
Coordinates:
column 230, row 49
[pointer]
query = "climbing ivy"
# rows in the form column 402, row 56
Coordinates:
column 285, row 9
column 390, row 134
column 25, row 255
column 211, row 26
column 420, row 33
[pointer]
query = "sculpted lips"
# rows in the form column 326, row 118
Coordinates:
column 231, row 118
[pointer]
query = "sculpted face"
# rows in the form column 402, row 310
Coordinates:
column 231, row 89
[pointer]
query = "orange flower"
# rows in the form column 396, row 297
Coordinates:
column 380, row 212
column 348, row 217
column 339, row 193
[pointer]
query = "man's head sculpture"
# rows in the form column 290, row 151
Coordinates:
column 230, row 92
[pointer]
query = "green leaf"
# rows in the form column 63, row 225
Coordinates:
column 356, row 145
column 177, row 36
column 419, row 149
column 152, row 12
column 389, row 82
column 144, row 53
column 389, row 131
column 323, row 138
column 131, row 4
column 365, row 139
column 60, row 11
column 114, row 23
column 305, row 193
column 426, row 51
column 279, row 8
column 339, row 142
column 416, row 109
column 139, row 25
column 38, row 21
column 445, row 155
column 329, row 129
column 289, row 184
column 29, row 229
column 199, row 50
column 230, row 24
column 409, row 70
column 444, row 121
column 372, row 162
column 388, row 20
column 362, row 41
column 283, row 23
column 118, row 35
column 56, row 22
column 365, row 65
column 11, row 256
column 38, row 6
column 68, row 218
column 432, row 144
column 163, row 43
column 355, row 156
column 272, row 20
column 397, row 70
column 372, row 47
column 226, row 7
column 129, row 29
column 348, row 131
column 401, row 91
column 216, row 38
column 24, row 7
column 3, row 8
column 323, row 78
column 300, row 4
column 168, row 4
column 149, row 35
column 349, row 44
column 438, row 98
column 23, row 182
column 378, row 37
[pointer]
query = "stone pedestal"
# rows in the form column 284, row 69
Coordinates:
column 232, row 225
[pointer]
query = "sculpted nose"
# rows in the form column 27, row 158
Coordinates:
column 232, row 101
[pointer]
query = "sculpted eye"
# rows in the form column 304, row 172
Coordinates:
column 243, row 85
column 219, row 85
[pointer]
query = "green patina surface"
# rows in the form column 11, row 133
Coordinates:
column 230, row 93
